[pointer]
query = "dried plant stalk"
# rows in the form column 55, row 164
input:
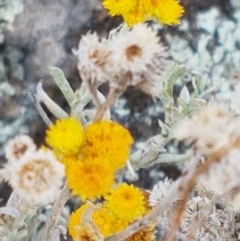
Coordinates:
column 111, row 98
column 55, row 213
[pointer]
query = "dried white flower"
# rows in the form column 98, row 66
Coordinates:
column 223, row 175
column 37, row 178
column 233, row 199
column 203, row 190
column 134, row 57
column 19, row 146
column 214, row 128
column 5, row 224
column 93, row 59
column 159, row 191
column 203, row 221
column 138, row 59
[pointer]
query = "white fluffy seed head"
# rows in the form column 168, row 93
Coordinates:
column 93, row 59
column 19, row 146
column 159, row 191
column 205, row 222
column 213, row 129
column 138, row 59
column 131, row 58
column 223, row 176
column 37, row 178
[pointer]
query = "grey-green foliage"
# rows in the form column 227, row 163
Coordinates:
column 13, row 70
column 174, row 110
column 9, row 9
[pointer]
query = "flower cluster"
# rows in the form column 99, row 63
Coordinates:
column 137, row 11
column 91, row 156
column 35, row 175
column 134, row 57
column 122, row 206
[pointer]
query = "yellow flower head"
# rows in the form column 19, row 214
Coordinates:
column 65, row 136
column 107, row 140
column 126, row 201
column 141, row 12
column 107, row 222
column 120, row 6
column 168, row 11
column 89, row 179
column 75, row 219
column 165, row 11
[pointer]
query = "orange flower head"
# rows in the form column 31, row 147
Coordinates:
column 107, row 222
column 89, row 179
column 108, row 141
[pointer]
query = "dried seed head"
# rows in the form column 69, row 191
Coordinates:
column 145, row 234
column 203, row 221
column 212, row 130
column 19, row 146
column 93, row 61
column 138, row 59
column 159, row 191
column 130, row 58
column 223, row 175
column 37, row 178
column 86, row 232
column 5, row 224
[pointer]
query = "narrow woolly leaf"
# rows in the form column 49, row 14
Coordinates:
column 62, row 83
column 51, row 105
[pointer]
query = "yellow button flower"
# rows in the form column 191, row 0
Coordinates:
column 165, row 11
column 108, row 141
column 117, row 7
column 89, row 178
column 107, row 222
column 65, row 136
column 126, row 201
column 168, row 11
